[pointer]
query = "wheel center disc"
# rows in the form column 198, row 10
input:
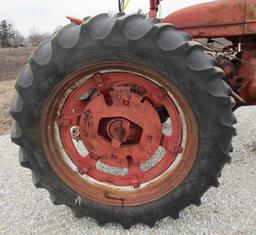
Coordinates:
column 128, row 127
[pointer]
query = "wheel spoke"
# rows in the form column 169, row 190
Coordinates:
column 171, row 144
column 134, row 173
column 86, row 163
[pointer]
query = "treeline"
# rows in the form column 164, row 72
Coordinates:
column 9, row 37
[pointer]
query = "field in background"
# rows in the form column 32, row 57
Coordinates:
column 11, row 62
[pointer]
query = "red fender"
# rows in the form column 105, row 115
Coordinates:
column 221, row 18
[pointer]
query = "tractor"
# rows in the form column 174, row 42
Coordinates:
column 129, row 119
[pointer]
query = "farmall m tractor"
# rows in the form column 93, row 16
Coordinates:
column 128, row 119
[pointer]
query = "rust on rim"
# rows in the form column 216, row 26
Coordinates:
column 108, row 116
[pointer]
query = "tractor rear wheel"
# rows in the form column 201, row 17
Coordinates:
column 123, row 119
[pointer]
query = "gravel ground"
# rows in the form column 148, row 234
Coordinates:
column 230, row 209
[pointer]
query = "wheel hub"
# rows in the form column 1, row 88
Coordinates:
column 120, row 131
column 127, row 127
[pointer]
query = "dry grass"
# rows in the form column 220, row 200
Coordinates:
column 11, row 61
column 6, row 93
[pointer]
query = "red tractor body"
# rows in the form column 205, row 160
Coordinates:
column 214, row 19
column 234, row 21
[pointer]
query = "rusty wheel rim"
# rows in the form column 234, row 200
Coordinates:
column 110, row 109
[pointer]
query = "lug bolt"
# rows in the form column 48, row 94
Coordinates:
column 115, row 143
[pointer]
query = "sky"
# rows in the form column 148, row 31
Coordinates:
column 46, row 15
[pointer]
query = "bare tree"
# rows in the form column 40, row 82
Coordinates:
column 35, row 38
column 19, row 40
column 58, row 28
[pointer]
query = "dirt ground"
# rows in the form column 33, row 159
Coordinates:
column 11, row 62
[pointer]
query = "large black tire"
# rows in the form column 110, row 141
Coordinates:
column 144, row 42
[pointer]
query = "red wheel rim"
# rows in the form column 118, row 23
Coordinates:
column 112, row 111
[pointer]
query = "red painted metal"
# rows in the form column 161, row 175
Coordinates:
column 234, row 20
column 153, row 8
column 75, row 20
column 214, row 19
column 246, row 75
column 120, row 127
column 250, row 17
